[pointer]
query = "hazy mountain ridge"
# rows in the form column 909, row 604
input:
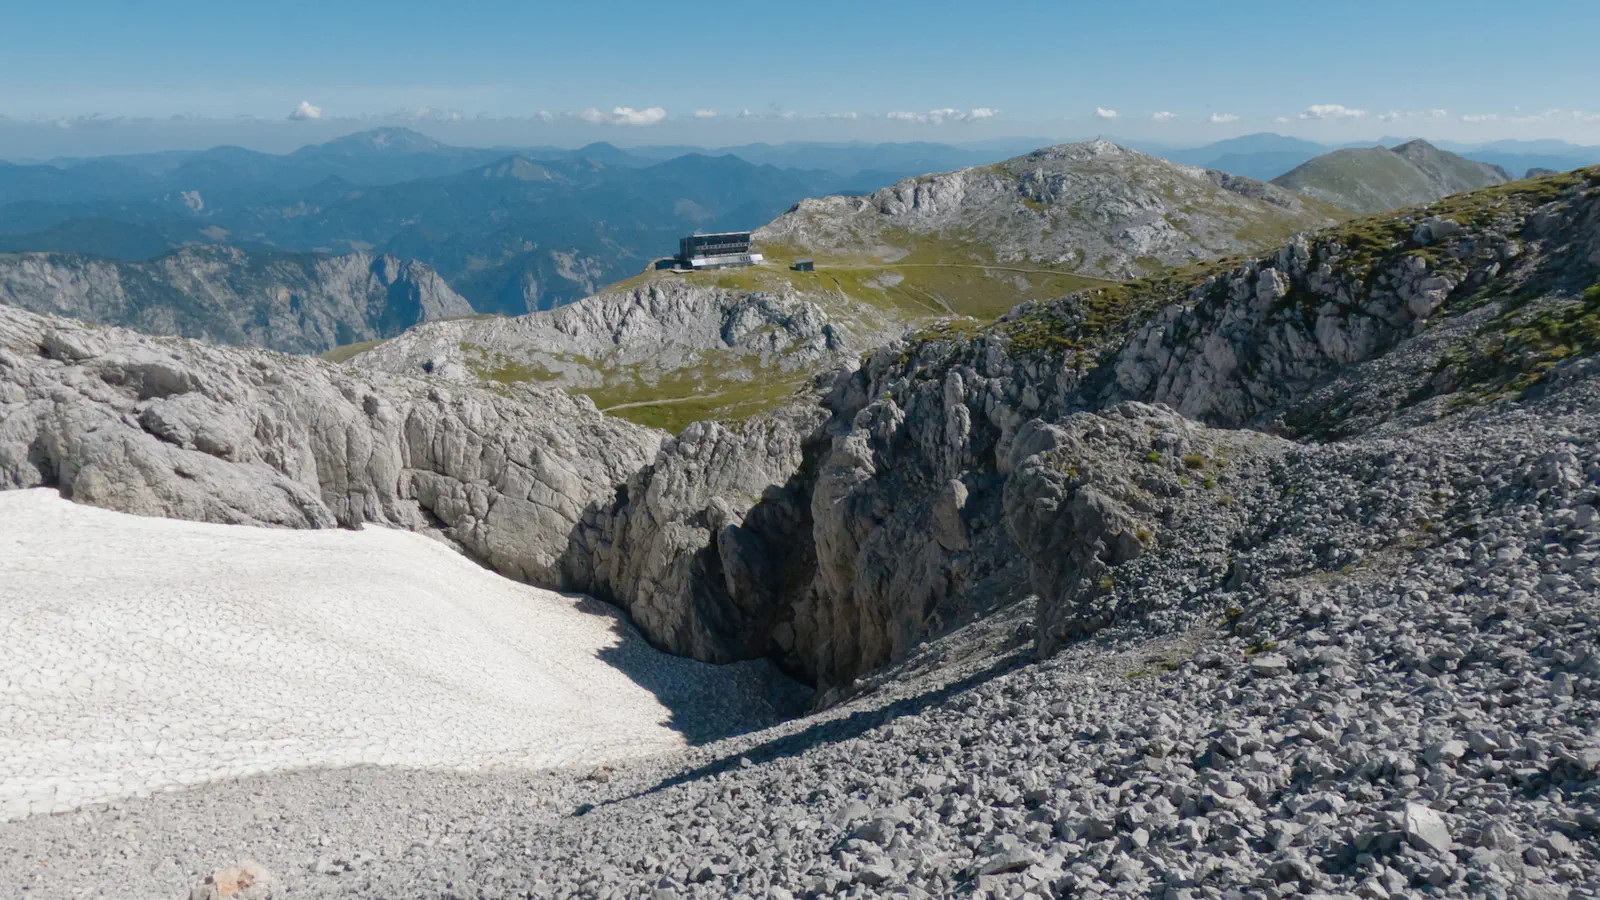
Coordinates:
column 1378, row 179
column 511, row 233
column 1262, row 156
column 298, row 303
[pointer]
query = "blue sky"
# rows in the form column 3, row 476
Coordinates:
column 825, row 70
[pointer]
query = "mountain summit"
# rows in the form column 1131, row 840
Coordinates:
column 1378, row 179
column 1097, row 208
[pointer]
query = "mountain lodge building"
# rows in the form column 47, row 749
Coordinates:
column 723, row 250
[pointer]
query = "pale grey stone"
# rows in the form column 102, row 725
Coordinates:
column 1425, row 829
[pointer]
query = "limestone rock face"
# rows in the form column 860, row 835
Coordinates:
column 1262, row 335
column 1102, row 489
column 297, row 303
column 167, row 427
column 702, row 546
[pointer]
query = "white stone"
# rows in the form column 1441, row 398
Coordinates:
column 1425, row 829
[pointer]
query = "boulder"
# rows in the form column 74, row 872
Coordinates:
column 247, row 881
column 1425, row 829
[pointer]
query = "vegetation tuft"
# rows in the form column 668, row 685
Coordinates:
column 1514, row 350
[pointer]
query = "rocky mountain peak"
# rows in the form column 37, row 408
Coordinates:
column 1082, row 150
column 1416, row 147
column 1093, row 208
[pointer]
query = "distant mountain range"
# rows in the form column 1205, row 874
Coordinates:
column 512, row 232
column 1259, row 156
column 1265, row 156
column 409, row 154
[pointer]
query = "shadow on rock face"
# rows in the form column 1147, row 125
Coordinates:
column 708, row 547
column 706, row 702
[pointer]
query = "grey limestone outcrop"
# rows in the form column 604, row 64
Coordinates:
column 170, row 427
column 649, row 331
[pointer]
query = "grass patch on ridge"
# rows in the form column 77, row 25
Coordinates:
column 345, row 352
column 932, row 276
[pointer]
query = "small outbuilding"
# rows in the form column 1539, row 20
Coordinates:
column 805, row 265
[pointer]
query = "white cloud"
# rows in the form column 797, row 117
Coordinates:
column 705, row 114
column 306, row 111
column 628, row 116
column 1483, row 117
column 1164, row 116
column 429, row 114
column 840, row 115
column 1281, row 120
column 90, row 119
column 623, row 115
column 544, row 115
column 1100, row 112
column 1219, row 118
column 1397, row 115
column 1549, row 115
column 941, row 116
column 1332, row 111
